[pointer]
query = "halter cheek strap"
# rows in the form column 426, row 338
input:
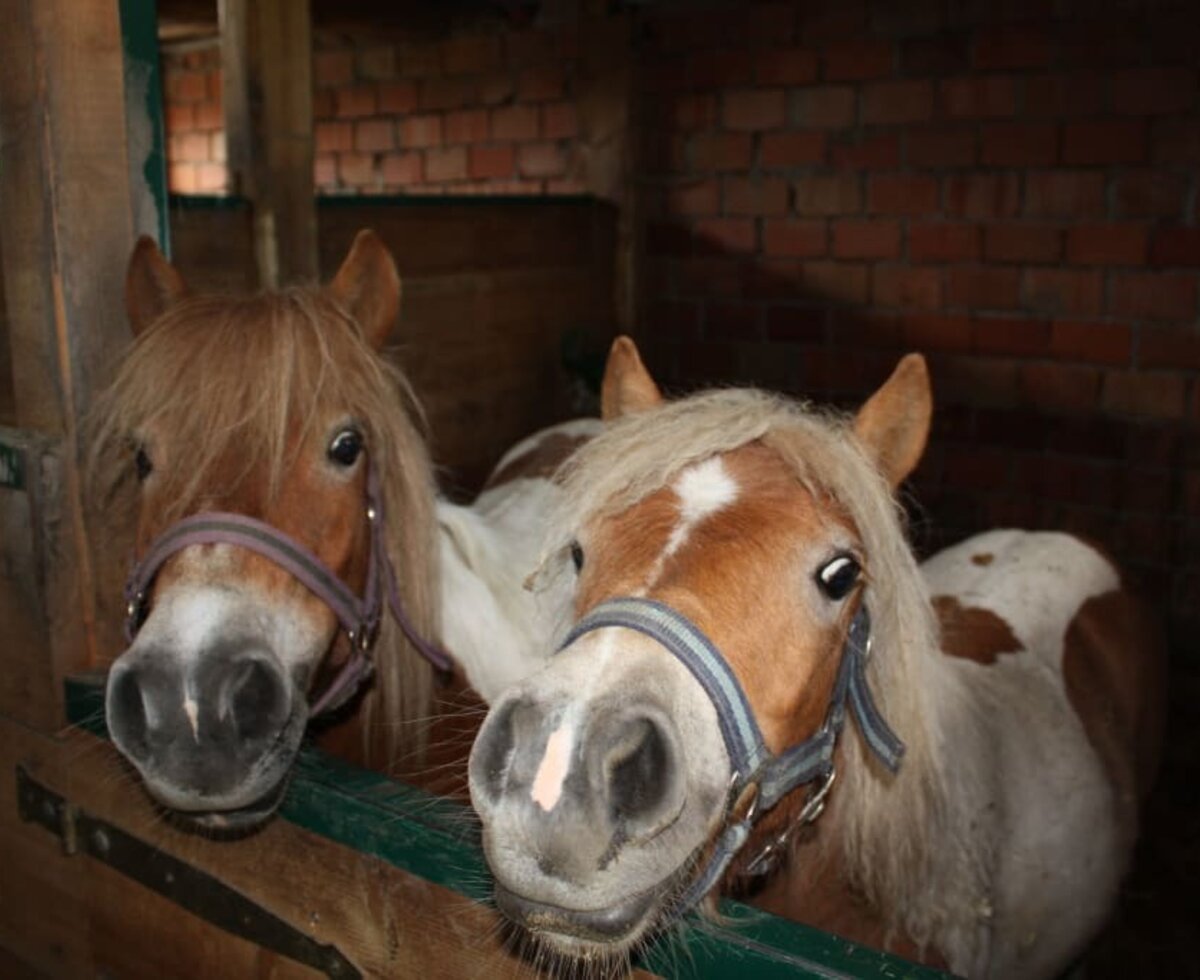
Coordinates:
column 754, row 766
column 358, row 616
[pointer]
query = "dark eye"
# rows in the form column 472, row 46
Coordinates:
column 577, row 556
column 346, row 447
column 838, row 577
column 142, row 464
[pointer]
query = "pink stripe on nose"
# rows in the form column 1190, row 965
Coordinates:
column 552, row 771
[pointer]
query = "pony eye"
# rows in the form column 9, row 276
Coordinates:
column 838, row 577
column 346, row 447
column 142, row 464
column 577, row 556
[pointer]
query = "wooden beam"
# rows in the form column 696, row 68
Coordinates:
column 66, row 235
column 266, row 61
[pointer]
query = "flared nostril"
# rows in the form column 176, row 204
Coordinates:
column 255, row 699
column 637, row 769
column 128, row 720
column 491, row 756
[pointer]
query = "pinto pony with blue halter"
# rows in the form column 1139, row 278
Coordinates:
column 764, row 693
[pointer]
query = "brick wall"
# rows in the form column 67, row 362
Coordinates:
column 1009, row 188
column 484, row 111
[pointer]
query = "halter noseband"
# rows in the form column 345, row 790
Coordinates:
column 359, row 617
column 758, row 774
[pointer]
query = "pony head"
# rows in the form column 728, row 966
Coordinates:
column 271, row 408
column 603, row 781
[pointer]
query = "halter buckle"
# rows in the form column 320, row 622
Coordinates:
column 813, row 807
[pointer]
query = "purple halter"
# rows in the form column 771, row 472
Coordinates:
column 359, row 617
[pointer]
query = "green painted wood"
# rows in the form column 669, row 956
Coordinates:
column 145, row 120
column 12, row 467
column 438, row 840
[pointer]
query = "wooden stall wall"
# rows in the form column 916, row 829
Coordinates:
column 495, row 292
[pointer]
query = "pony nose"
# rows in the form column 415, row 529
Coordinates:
column 230, row 700
column 617, row 771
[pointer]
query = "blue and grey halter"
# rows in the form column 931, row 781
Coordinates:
column 754, row 765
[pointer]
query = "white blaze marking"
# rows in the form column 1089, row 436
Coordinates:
column 552, row 771
column 703, row 490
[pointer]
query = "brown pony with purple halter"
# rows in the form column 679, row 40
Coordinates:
column 283, row 494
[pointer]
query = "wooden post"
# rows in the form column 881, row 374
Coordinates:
column 66, row 235
column 266, row 61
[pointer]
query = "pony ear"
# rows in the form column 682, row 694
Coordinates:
column 368, row 285
column 627, row 385
column 152, row 285
column 894, row 422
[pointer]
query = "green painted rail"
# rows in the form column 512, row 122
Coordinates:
column 438, row 840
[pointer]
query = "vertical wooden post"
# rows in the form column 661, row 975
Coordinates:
column 266, row 61
column 66, row 235
column 609, row 143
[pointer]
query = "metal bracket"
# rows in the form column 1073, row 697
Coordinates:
column 190, row 888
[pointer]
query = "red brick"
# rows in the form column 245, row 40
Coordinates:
column 490, row 161
column 836, row 282
column 448, row 93
column 217, row 149
column 1158, row 395
column 797, row 324
column 1064, row 194
column 403, row 169
column 852, row 61
column 728, row 234
column 541, row 160
column 212, row 178
column 1022, row 243
column 941, row 147
column 667, row 153
column 542, row 84
column 977, row 97
column 355, row 101
column 1059, row 388
column 785, row 66
column 1014, row 336
column 529, row 47
column 687, row 112
column 209, row 116
column 708, row 276
column 1019, row 144
column 496, row 89
column 1154, row 295
column 829, row 107
column 1176, row 246
column 324, row 171
column 721, row 151
column 333, row 137
column 755, row 195
column 465, row 126
column 770, row 23
column 910, row 287
column 936, row 332
column 374, row 135
column 1107, row 245
column 1065, row 94
column 215, row 85
column 892, row 103
column 1092, row 342
column 1176, row 141
column 1064, row 291
column 902, row 194
column 720, row 68
column 446, row 163
column 941, row 55
column 560, row 120
column 179, row 117
column 323, row 105
column 396, row 98
column 942, row 242
column 982, row 287
column 832, row 194
column 982, row 195
column 515, row 122
column 754, row 109
column 376, row 62
column 332, row 68
column 699, row 197
column 854, row 330
column 916, row 18
column 356, row 169
column 1153, row 91
column 1107, row 141
column 1149, row 193
column 859, row 151
column 188, row 148
column 861, row 239
column 418, row 59
column 420, row 131
column 1169, row 347
column 181, row 178
column 471, row 54
column 1013, row 48
column 794, row 239
column 1104, row 43
column 793, row 149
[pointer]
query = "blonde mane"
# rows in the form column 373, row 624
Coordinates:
column 899, row 840
column 233, row 378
